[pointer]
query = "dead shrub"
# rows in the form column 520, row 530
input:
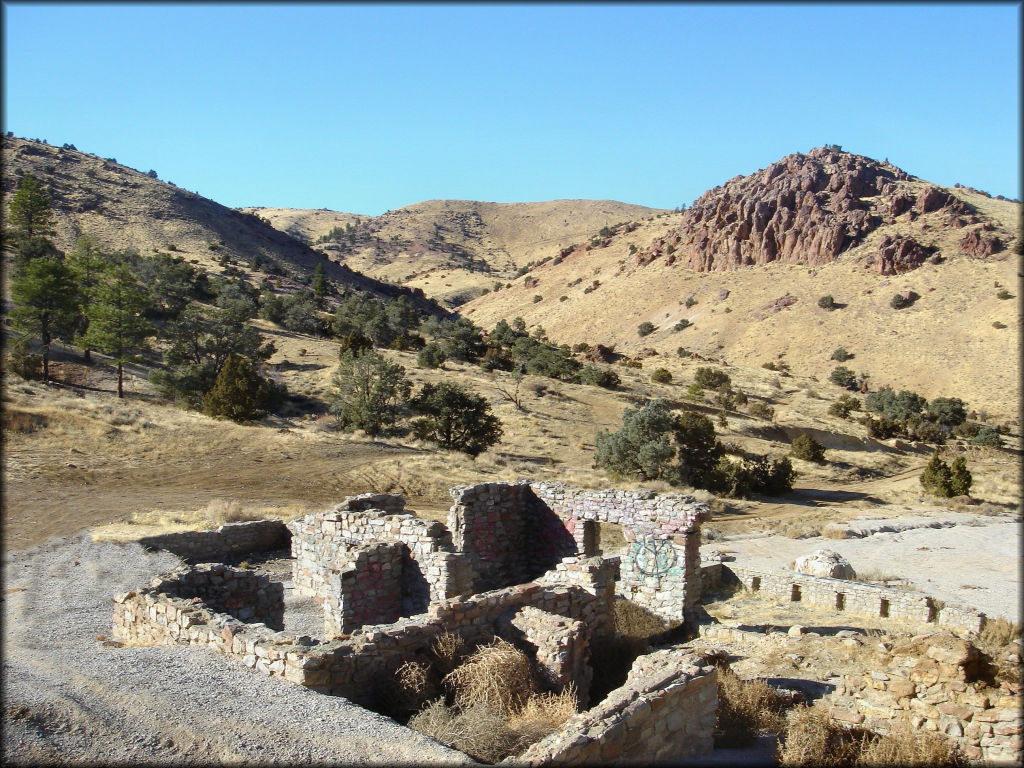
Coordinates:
column 415, row 686
column 745, row 709
column 543, row 714
column 834, row 532
column 904, row 746
column 498, row 675
column 812, row 738
column 634, row 620
column 446, row 652
column 478, row 730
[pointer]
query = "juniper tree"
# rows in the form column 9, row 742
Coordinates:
column 455, row 419
column 368, row 391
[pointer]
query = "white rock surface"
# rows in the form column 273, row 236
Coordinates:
column 825, row 563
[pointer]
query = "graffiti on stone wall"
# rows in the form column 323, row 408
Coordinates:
column 655, row 556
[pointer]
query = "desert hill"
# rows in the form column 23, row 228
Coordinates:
column 123, row 208
column 452, row 249
column 870, row 231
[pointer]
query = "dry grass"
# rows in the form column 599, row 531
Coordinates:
column 497, row 674
column 479, row 731
column 446, row 652
column 544, row 713
column 216, row 513
column 1000, row 632
column 811, row 738
column 745, row 709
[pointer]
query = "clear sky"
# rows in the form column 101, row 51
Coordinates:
column 365, row 108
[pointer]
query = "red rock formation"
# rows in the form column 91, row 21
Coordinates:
column 979, row 245
column 898, row 254
column 804, row 209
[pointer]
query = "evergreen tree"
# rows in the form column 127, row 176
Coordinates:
column 699, row 448
column 642, row 448
column 369, row 390
column 318, row 283
column 959, row 478
column 116, row 323
column 47, row 303
column 937, row 478
column 88, row 263
column 240, row 393
column 455, row 419
column 29, row 215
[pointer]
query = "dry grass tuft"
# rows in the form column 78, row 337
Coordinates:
column 415, row 685
column 498, row 675
column 904, row 746
column 544, row 714
column 635, row 621
column 835, row 533
column 479, row 731
column 745, row 709
column 1000, row 631
column 812, row 738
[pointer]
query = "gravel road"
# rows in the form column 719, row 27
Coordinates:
column 71, row 697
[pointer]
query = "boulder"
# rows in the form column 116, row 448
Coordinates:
column 825, row 563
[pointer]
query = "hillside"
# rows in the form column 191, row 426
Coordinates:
column 954, row 247
column 123, row 208
column 452, row 249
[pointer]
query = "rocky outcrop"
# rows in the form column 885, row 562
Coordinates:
column 979, row 243
column 897, row 254
column 804, row 209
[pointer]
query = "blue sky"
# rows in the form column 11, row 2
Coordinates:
column 365, row 108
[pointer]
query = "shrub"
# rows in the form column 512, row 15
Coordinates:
column 23, row 361
column 841, row 355
column 455, row 419
column 1004, row 294
column 756, row 474
column 988, row 437
column 760, row 410
column 661, row 376
column 902, row 300
column 682, row 325
column 882, row 428
column 827, row 302
column 354, row 341
column 842, row 376
column 645, row 328
column 690, row 301
column 959, row 477
column 947, row 411
column 998, row 325
column 694, row 392
column 430, row 356
column 894, row 406
column 699, row 448
column 537, row 298
column 805, row 447
column 711, row 378
column 497, row 675
column 844, row 406
column 682, row 352
column 600, row 377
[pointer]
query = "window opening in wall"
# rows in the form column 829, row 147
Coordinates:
column 794, row 595
column 840, row 601
column 755, row 584
column 883, row 609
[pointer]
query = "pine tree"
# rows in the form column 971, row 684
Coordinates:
column 88, row 263
column 30, row 216
column 455, row 419
column 116, row 325
column 318, row 283
column 47, row 303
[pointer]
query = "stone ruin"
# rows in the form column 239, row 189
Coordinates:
column 520, row 561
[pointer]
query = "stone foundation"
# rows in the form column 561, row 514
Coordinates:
column 228, row 541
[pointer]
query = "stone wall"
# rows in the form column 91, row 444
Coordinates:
column 664, row 712
column 510, row 533
column 322, row 543
column 228, row 541
column 936, row 683
column 848, row 596
column 364, row 587
column 353, row 666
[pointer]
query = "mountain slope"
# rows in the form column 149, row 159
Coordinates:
column 453, row 249
column 948, row 343
column 123, row 208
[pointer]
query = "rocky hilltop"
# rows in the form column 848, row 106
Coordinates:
column 811, row 208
